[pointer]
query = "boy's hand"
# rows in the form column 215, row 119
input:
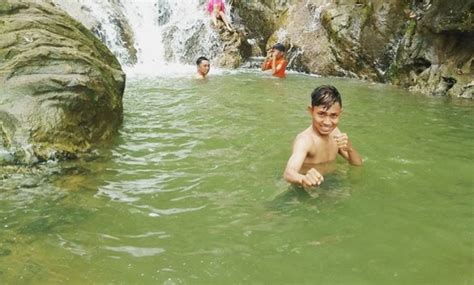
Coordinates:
column 274, row 53
column 343, row 142
column 312, row 178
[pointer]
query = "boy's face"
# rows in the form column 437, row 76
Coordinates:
column 204, row 67
column 325, row 120
column 277, row 53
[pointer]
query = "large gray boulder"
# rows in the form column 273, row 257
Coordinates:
column 60, row 87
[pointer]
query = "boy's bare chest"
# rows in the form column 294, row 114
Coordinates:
column 322, row 152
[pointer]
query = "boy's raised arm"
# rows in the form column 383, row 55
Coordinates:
column 292, row 175
column 265, row 61
column 346, row 150
column 264, row 65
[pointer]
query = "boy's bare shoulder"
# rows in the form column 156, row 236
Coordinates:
column 304, row 137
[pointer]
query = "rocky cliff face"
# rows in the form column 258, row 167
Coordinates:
column 261, row 19
column 423, row 45
column 435, row 55
column 60, row 88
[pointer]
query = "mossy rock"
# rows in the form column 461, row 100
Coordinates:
column 60, row 87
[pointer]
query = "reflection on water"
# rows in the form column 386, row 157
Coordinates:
column 191, row 192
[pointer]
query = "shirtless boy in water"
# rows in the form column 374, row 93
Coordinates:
column 322, row 141
column 203, row 67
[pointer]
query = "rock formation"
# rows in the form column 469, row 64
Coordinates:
column 423, row 45
column 224, row 48
column 60, row 87
column 436, row 53
column 235, row 49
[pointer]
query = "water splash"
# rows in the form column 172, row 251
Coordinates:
column 315, row 20
column 281, row 35
column 143, row 19
column 103, row 18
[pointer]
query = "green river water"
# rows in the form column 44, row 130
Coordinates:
column 191, row 192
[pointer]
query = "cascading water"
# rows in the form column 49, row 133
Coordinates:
column 152, row 36
column 106, row 20
column 169, row 32
column 143, row 18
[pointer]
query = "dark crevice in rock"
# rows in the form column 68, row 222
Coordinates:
column 420, row 64
column 449, row 81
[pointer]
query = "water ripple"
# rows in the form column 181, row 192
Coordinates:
column 136, row 251
column 166, row 212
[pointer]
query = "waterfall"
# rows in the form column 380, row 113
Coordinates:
column 150, row 36
column 144, row 19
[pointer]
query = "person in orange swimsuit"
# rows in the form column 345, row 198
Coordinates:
column 276, row 61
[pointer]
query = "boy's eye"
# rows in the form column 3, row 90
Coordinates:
column 321, row 114
column 334, row 116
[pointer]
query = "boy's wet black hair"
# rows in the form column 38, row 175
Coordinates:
column 279, row 46
column 201, row 59
column 325, row 95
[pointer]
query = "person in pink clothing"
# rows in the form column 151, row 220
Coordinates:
column 217, row 10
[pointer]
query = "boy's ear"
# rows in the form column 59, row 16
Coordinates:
column 309, row 109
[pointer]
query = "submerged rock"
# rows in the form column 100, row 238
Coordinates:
column 60, row 87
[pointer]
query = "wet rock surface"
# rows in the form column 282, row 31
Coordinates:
column 235, row 47
column 436, row 54
column 423, row 45
column 60, row 87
